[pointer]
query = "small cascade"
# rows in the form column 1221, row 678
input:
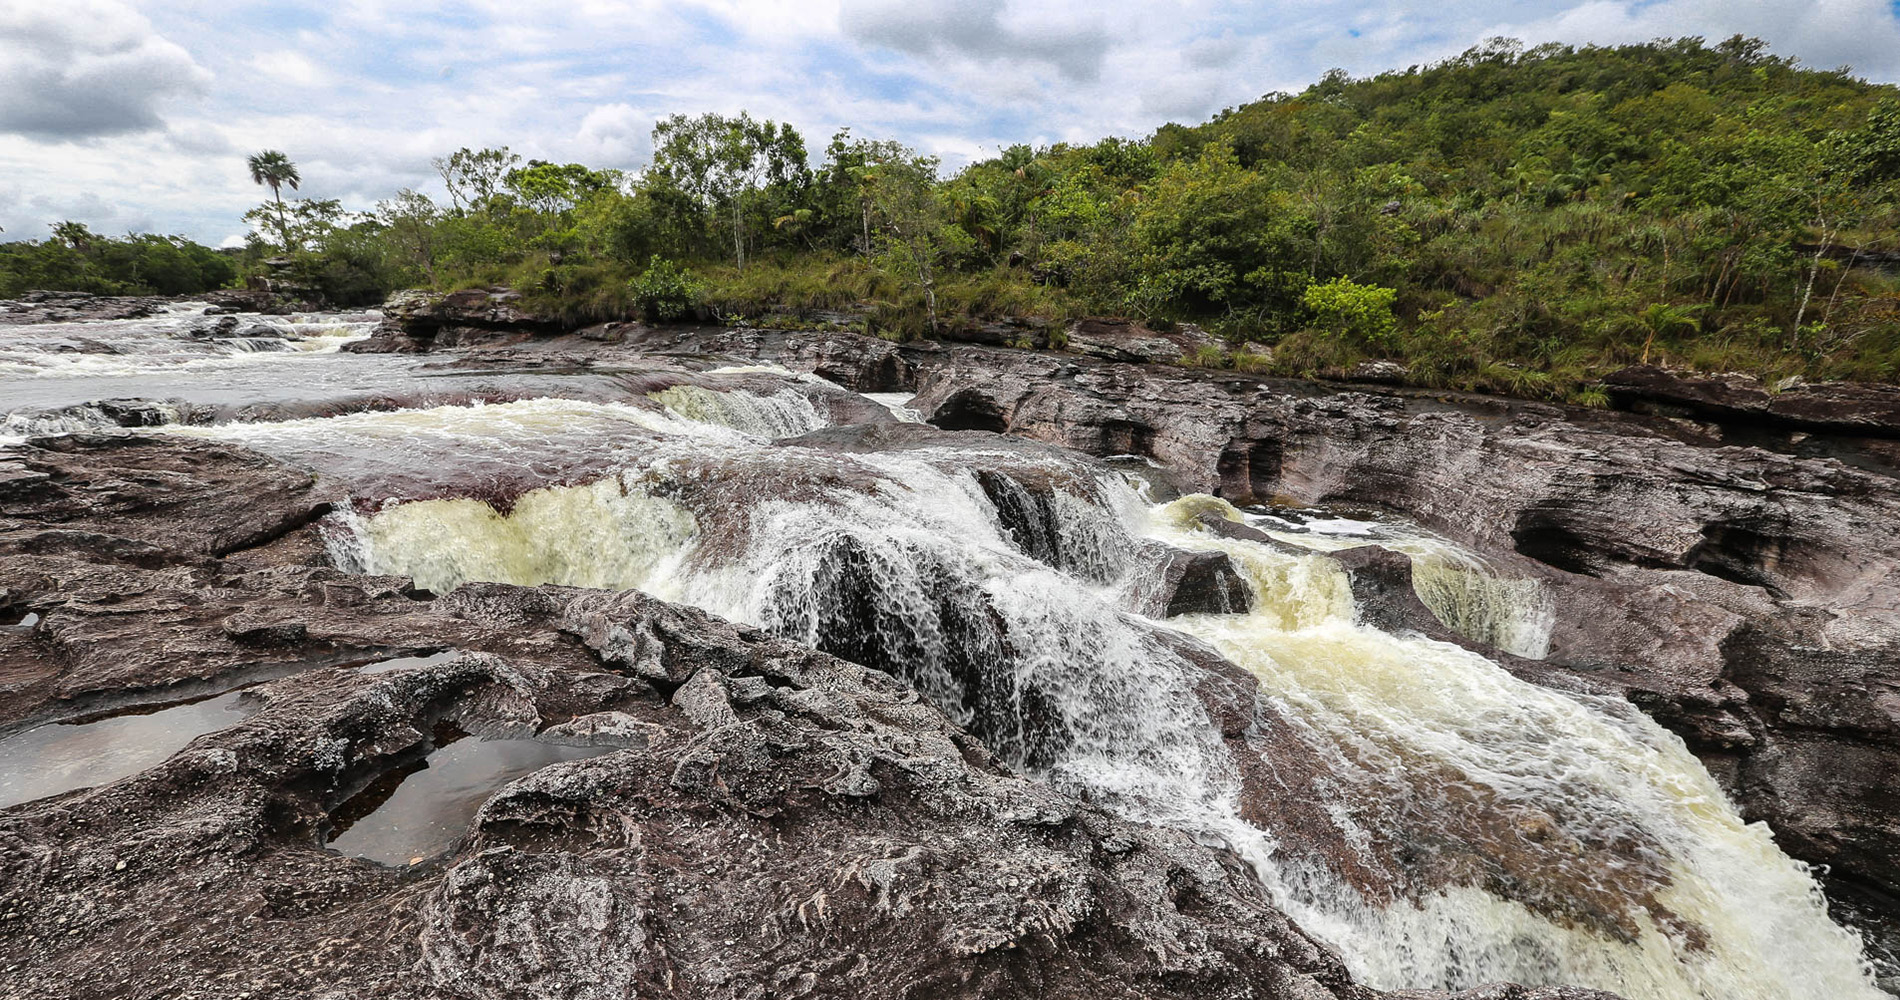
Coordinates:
column 607, row 533
column 785, row 413
column 1654, row 886
column 1474, row 827
column 252, row 345
column 1466, row 593
column 899, row 405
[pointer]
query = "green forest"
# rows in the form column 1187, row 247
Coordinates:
column 1512, row 220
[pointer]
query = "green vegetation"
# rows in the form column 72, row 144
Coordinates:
column 1512, row 220
column 273, row 169
column 77, row 260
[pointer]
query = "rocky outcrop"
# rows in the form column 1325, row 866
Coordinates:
column 766, row 820
column 416, row 321
column 1748, row 598
column 1127, row 340
column 267, row 300
column 1839, row 407
column 76, row 307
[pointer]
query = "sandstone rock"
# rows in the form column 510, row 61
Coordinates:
column 1188, row 583
column 1382, row 372
column 772, row 816
column 1839, row 407
column 416, row 321
column 1127, row 340
column 76, row 307
column 1718, row 587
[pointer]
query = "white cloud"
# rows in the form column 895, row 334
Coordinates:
column 104, row 100
column 617, row 135
column 289, row 66
column 1825, row 34
column 979, row 30
column 86, row 69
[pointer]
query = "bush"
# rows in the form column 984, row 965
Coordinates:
column 1361, row 314
column 665, row 291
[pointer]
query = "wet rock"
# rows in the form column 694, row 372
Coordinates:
column 767, row 814
column 1382, row 591
column 223, row 326
column 1189, row 583
column 141, row 412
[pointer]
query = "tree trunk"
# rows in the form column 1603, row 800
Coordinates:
column 929, row 282
column 1814, row 271
column 283, row 228
column 1838, row 282
column 738, row 236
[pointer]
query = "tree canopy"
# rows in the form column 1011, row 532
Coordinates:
column 1511, row 218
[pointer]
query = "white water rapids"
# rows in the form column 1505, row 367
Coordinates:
column 53, row 375
column 1636, row 875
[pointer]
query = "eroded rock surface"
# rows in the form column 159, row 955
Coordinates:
column 1746, row 595
column 74, row 307
column 771, row 821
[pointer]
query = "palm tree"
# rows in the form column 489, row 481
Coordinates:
column 275, row 170
column 73, row 234
column 1662, row 319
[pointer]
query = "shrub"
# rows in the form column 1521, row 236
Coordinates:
column 665, row 291
column 1354, row 312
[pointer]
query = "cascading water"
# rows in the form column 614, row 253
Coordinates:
column 1461, row 589
column 1530, row 834
column 1471, row 826
column 1725, row 913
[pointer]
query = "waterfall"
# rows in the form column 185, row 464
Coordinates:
column 1710, row 906
column 1462, row 589
column 1524, row 833
column 783, row 414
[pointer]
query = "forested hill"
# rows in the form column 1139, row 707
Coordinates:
column 1512, row 219
column 1545, row 212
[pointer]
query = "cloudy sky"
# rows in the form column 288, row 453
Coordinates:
column 137, row 116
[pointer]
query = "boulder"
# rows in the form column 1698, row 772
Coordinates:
column 1191, row 583
column 416, row 321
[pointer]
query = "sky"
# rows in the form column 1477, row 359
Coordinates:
column 138, row 116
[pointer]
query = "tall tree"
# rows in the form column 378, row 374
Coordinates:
column 916, row 238
column 274, row 170
column 474, row 176
column 73, row 234
column 725, row 163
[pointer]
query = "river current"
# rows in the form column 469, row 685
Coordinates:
column 1469, row 826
